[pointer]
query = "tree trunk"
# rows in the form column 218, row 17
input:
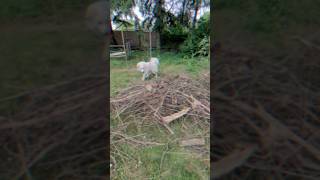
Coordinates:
column 114, row 41
column 183, row 11
column 159, row 15
column 196, row 9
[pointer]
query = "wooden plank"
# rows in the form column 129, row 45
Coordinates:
column 116, row 46
column 118, row 54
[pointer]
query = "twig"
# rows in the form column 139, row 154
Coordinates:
column 193, row 142
column 232, row 161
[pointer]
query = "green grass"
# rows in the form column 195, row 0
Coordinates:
column 162, row 162
column 168, row 161
column 123, row 74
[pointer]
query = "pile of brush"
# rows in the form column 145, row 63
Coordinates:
column 161, row 102
column 165, row 100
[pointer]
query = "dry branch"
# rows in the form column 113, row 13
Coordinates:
column 168, row 119
column 165, row 100
column 193, row 142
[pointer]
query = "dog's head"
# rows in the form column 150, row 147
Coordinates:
column 155, row 60
column 140, row 66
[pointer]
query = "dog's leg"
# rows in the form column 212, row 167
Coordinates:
column 143, row 77
column 148, row 76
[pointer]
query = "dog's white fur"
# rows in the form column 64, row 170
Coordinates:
column 147, row 68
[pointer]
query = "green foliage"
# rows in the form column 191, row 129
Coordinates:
column 173, row 36
column 123, row 24
column 197, row 43
column 203, row 47
column 121, row 5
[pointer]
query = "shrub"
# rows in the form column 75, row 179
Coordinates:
column 174, row 36
column 197, row 43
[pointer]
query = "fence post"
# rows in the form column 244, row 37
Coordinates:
column 158, row 42
column 150, row 46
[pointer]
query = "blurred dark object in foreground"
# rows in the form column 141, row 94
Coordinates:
column 61, row 133
column 266, row 117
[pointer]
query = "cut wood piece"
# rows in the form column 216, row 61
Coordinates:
column 174, row 116
column 232, row 161
column 115, row 46
column 118, row 54
column 193, row 142
column 148, row 87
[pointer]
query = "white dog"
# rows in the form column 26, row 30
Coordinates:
column 148, row 68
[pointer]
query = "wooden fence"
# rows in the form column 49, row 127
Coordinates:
column 138, row 40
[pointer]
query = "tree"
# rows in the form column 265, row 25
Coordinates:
column 183, row 16
column 159, row 14
column 196, row 3
column 121, row 8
